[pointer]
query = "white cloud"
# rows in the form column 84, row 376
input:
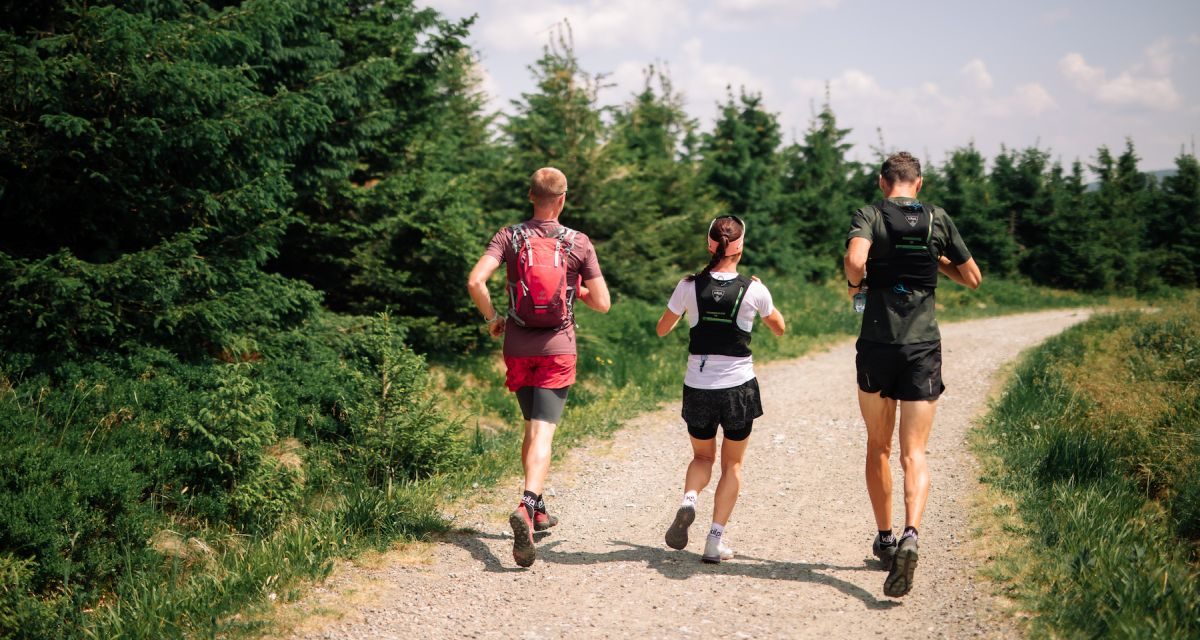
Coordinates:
column 1155, row 91
column 977, row 73
column 526, row 25
column 1033, row 99
column 741, row 14
column 1194, row 39
column 704, row 83
column 1026, row 100
column 1159, row 58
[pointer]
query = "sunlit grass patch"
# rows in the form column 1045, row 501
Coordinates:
column 1096, row 442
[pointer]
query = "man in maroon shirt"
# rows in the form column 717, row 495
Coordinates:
column 540, row 362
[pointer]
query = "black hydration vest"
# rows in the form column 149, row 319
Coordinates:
column 717, row 332
column 908, row 256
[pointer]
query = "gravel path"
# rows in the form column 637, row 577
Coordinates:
column 802, row 529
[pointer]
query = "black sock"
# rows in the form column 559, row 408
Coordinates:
column 541, row 505
column 909, row 531
column 530, row 500
column 886, row 537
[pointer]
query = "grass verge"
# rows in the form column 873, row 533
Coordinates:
column 1091, row 455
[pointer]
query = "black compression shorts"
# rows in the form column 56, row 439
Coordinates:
column 538, row 403
column 900, row 371
column 734, row 409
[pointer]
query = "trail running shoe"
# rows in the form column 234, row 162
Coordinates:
column 677, row 534
column 523, row 550
column 900, row 579
column 543, row 520
column 885, row 552
column 715, row 550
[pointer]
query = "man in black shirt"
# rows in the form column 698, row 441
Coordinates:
column 895, row 250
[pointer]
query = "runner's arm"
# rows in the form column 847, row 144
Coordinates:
column 595, row 294
column 667, row 322
column 775, row 322
column 966, row 274
column 855, row 263
column 477, row 287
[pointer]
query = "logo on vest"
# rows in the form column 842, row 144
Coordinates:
column 717, row 294
column 912, row 220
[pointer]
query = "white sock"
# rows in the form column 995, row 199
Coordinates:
column 716, row 531
column 689, row 499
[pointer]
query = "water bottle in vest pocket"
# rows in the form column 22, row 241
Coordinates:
column 541, row 297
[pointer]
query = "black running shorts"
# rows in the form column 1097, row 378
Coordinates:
column 900, row 371
column 734, row 409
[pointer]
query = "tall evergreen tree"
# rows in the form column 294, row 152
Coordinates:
column 657, row 188
column 741, row 163
column 809, row 228
column 1119, row 205
column 970, row 199
column 390, row 192
column 1021, row 207
column 144, row 176
column 558, row 125
column 1175, row 230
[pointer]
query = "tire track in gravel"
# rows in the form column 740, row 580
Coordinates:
column 802, row 529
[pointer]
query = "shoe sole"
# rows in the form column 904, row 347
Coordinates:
column 677, row 534
column 900, row 579
column 708, row 560
column 524, row 552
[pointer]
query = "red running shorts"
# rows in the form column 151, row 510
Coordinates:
column 548, row 372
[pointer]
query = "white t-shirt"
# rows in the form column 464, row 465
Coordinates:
column 720, row 372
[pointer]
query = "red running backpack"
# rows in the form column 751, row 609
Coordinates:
column 541, row 297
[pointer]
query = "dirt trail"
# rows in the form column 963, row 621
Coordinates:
column 802, row 529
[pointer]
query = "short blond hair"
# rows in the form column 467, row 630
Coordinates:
column 547, row 183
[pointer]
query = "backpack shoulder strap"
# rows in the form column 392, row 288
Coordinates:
column 517, row 237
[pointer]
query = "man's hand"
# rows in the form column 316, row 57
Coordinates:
column 852, row 291
column 496, row 327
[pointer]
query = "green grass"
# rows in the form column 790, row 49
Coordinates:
column 1096, row 441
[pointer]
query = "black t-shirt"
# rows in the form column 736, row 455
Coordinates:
column 893, row 317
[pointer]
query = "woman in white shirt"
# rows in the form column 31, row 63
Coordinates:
column 720, row 387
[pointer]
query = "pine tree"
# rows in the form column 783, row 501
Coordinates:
column 1175, row 230
column 558, row 125
column 741, row 163
column 1119, row 205
column 390, row 193
column 144, row 175
column 971, row 200
column 1021, row 208
column 656, row 186
column 809, row 231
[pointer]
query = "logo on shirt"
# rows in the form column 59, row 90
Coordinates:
column 717, row 294
column 912, row 220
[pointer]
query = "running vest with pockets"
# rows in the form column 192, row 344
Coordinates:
column 717, row 331
column 908, row 258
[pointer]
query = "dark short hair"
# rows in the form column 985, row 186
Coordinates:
column 901, row 167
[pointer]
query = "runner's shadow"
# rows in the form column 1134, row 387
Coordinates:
column 681, row 566
column 472, row 542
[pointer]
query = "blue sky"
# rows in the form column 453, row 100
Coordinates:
column 1067, row 76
